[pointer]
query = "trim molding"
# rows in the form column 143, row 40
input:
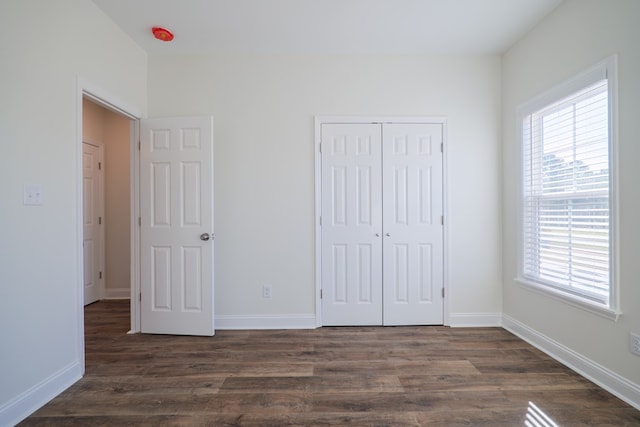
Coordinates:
column 26, row 403
column 605, row 378
column 266, row 321
column 475, row 320
column 574, row 300
column 117, row 293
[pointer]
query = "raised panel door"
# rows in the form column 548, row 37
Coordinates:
column 176, row 181
column 351, row 224
column 413, row 232
column 92, row 239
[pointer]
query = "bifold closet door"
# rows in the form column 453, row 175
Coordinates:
column 382, row 236
column 412, row 224
column 351, row 224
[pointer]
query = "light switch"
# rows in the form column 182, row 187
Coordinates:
column 32, row 194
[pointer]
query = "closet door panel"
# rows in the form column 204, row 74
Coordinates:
column 351, row 224
column 413, row 232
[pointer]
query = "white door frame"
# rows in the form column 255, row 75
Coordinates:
column 319, row 120
column 107, row 100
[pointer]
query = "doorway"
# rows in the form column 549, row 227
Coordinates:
column 192, row 135
column 85, row 91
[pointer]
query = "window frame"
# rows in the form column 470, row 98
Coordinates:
column 606, row 69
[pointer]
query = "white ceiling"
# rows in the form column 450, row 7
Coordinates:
column 470, row 27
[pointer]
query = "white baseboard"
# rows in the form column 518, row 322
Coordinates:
column 280, row 321
column 117, row 293
column 475, row 320
column 605, row 378
column 26, row 403
column 295, row 321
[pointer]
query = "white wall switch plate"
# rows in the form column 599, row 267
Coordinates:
column 32, row 194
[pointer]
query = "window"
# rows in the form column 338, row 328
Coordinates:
column 567, row 219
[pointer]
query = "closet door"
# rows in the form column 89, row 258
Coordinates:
column 351, row 224
column 413, row 231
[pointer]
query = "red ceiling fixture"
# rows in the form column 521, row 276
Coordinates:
column 162, row 34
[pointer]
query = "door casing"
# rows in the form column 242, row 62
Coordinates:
column 319, row 120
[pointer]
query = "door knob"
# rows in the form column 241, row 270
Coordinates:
column 205, row 236
column 387, row 234
column 377, row 234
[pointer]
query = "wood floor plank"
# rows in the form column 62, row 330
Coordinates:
column 316, row 384
column 259, row 403
column 356, row 376
column 373, row 367
column 113, row 404
column 411, row 402
column 132, row 385
column 492, row 382
column 299, row 384
column 233, row 369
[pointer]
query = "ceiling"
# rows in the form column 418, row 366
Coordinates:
column 456, row 27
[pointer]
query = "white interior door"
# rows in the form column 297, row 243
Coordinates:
column 351, row 224
column 92, row 209
column 381, row 231
column 176, row 236
column 412, row 218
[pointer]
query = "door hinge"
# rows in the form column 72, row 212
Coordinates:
column 442, row 292
column 139, row 221
column 99, row 165
column 139, row 145
column 320, row 220
column 320, row 147
column 442, row 219
column 320, row 293
column 442, row 147
column 100, row 275
column 99, row 220
column 140, row 296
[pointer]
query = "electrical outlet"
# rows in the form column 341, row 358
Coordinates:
column 634, row 343
column 266, row 291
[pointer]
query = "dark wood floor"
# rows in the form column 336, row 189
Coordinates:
column 356, row 376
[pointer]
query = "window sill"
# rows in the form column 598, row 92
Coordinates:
column 573, row 300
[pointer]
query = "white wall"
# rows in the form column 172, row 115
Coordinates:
column 44, row 46
column 264, row 107
column 577, row 35
column 118, row 205
column 112, row 130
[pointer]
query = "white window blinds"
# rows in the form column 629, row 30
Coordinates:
column 566, row 201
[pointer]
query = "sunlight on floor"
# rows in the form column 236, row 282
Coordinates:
column 537, row 418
